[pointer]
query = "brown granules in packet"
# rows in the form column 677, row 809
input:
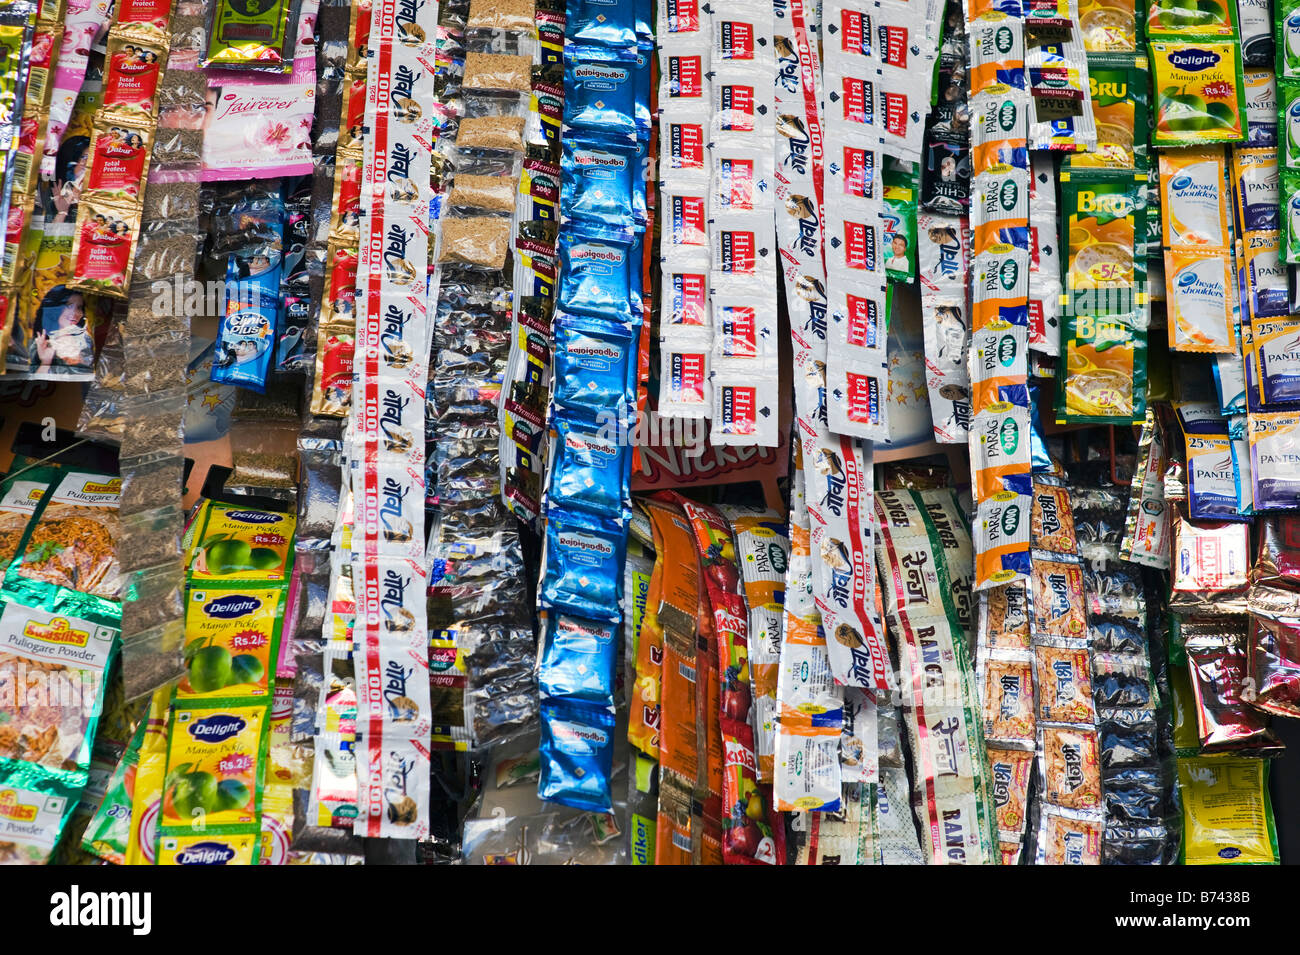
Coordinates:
column 1064, row 684
column 498, row 71
column 1007, row 608
column 481, row 241
column 152, row 537
column 491, row 132
column 501, row 15
column 150, row 481
column 171, row 200
column 153, row 422
column 151, row 658
column 1009, row 700
column 264, row 469
column 175, row 146
column 490, row 193
column 1070, row 840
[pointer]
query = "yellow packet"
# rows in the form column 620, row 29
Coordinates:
column 1198, row 297
column 240, row 543
column 205, row 849
column 1103, row 376
column 1193, row 198
column 1227, row 814
column 277, row 825
column 214, row 764
column 146, row 798
column 1108, row 26
column 1118, row 111
column 1200, row 93
column 1101, row 215
column 231, row 639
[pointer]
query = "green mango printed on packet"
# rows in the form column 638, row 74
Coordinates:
column 1200, row 91
column 216, row 760
column 1191, row 19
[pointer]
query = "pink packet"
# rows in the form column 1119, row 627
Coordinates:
column 83, row 24
column 259, row 126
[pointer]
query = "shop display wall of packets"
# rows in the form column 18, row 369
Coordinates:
column 649, row 432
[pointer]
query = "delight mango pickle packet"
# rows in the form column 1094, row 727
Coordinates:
column 232, row 636
column 1200, row 91
column 228, row 542
column 216, row 755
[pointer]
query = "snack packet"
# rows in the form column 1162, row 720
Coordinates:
column 1227, row 813
column 1200, row 94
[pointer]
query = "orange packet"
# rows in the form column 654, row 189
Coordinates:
column 673, row 841
column 644, row 713
column 677, row 714
column 708, row 720
column 680, row 587
column 676, row 611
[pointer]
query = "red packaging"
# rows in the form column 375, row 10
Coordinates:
column 752, row 833
column 134, row 67
column 119, row 160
